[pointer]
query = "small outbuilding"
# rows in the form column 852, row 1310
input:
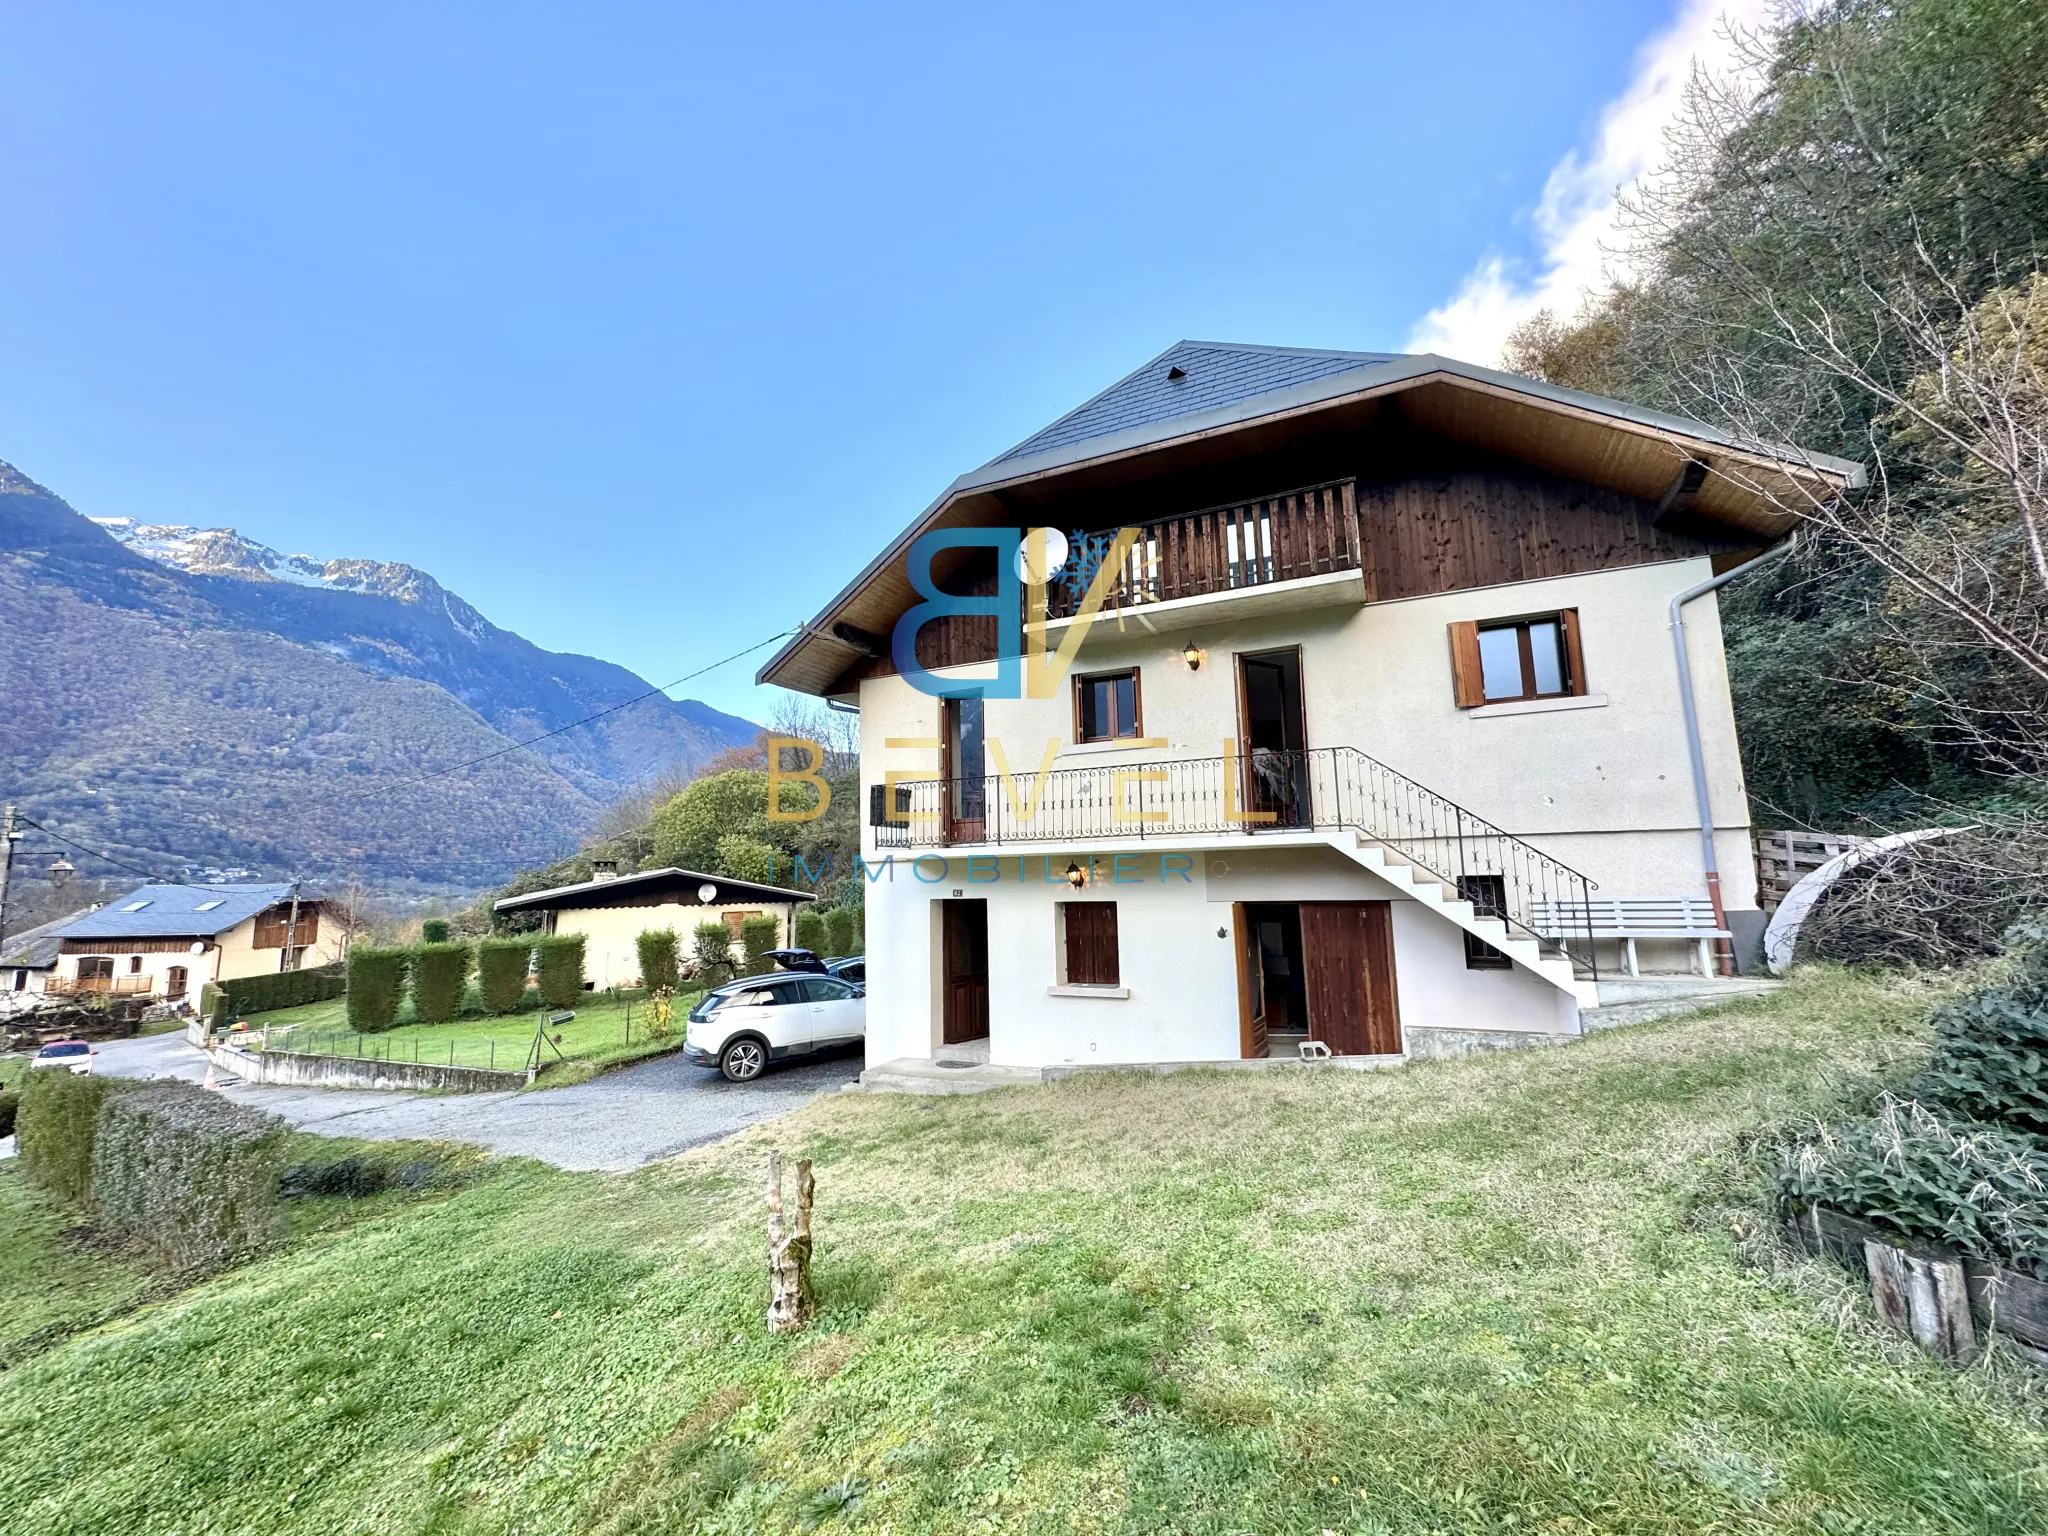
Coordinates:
column 611, row 911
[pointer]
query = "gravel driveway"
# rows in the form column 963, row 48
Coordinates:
column 611, row 1123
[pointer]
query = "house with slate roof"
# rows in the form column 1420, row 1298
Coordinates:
column 1340, row 702
column 168, row 941
column 28, row 960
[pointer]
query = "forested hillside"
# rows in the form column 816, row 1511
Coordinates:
column 1845, row 253
column 177, row 719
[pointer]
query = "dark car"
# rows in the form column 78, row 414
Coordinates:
column 853, row 968
column 796, row 960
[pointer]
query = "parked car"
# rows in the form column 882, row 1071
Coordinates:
column 742, row 1026
column 853, row 968
column 75, row 1055
column 795, row 960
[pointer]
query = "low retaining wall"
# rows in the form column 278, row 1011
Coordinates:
column 302, row 1070
column 1425, row 1043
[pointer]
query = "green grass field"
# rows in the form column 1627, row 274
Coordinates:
column 608, row 1029
column 1528, row 1292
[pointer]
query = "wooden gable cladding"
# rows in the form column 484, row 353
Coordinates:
column 1458, row 529
column 273, row 926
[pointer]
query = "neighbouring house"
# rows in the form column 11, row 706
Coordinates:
column 613, row 910
column 1378, row 740
column 27, row 962
column 168, row 941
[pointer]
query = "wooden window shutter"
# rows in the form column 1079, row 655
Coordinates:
column 1574, row 657
column 1468, row 687
column 1091, row 944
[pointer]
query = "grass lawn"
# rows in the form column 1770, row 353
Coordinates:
column 608, row 1029
column 55, row 1276
column 1523, row 1292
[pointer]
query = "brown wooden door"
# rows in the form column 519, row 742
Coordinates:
column 1349, row 950
column 963, row 764
column 965, row 987
column 1272, row 725
column 1251, row 1003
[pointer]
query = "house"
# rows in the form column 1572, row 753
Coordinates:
column 612, row 910
column 168, row 941
column 1375, row 737
column 27, row 962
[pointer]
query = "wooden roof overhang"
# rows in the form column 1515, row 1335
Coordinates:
column 1752, row 487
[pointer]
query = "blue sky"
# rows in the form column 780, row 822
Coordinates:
column 642, row 327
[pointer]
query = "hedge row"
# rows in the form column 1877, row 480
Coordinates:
column 376, row 981
column 55, row 1125
column 501, row 966
column 657, row 951
column 224, row 1000
column 558, row 964
column 439, row 973
column 190, row 1174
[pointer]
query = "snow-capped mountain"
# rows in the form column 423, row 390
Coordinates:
column 224, row 552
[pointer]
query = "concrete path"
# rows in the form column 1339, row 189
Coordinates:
column 609, row 1124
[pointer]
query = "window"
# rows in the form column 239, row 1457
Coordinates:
column 1508, row 660
column 1489, row 897
column 734, row 919
column 135, row 965
column 826, row 989
column 96, row 968
column 208, row 906
column 1106, row 707
column 135, row 906
column 1090, row 938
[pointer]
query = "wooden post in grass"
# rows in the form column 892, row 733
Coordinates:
column 1923, row 1293
column 790, row 1302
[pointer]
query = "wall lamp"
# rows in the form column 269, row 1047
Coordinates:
column 1193, row 655
column 1076, row 875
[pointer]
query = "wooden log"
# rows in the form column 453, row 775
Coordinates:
column 791, row 1303
column 1923, row 1292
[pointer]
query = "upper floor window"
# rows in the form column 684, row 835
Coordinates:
column 1106, row 706
column 1508, row 660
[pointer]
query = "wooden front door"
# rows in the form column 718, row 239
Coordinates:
column 1348, row 947
column 965, row 984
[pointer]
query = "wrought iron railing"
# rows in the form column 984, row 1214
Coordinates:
column 1319, row 789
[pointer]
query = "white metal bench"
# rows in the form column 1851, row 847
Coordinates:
column 1629, row 918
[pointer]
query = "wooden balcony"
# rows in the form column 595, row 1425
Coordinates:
column 1244, row 549
column 100, row 986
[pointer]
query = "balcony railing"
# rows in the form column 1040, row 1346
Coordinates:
column 100, row 986
column 1320, row 789
column 1309, row 532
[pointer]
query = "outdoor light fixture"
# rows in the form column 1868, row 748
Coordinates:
column 1076, row 876
column 1192, row 654
column 61, row 870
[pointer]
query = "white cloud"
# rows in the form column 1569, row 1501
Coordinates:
column 1576, row 213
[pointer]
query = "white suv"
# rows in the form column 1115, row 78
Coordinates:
column 742, row 1026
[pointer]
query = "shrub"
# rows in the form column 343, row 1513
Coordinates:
column 560, row 969
column 55, row 1126
column 1990, row 1058
column 189, row 1173
column 439, row 973
column 10, row 1103
column 1971, row 1187
column 711, row 949
column 434, row 931
column 224, row 1000
column 376, row 978
column 811, row 931
column 757, row 937
column 657, row 947
column 842, row 931
column 501, row 966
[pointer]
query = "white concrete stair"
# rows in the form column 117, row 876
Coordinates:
column 1411, row 878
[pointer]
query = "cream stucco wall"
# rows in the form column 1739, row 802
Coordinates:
column 611, row 956
column 1602, row 784
column 227, row 957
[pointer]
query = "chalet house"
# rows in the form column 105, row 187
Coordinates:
column 168, row 941
column 613, row 910
column 1379, row 739
column 27, row 962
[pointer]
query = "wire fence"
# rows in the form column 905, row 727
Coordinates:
column 492, row 1053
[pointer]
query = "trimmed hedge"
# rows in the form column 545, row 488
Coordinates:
column 560, row 969
column 757, row 937
column 434, row 931
column 190, row 1174
column 439, row 973
column 501, row 967
column 842, row 931
column 224, row 1000
column 9, row 1104
column 810, row 931
column 711, row 949
column 55, row 1126
column 376, row 980
column 657, row 948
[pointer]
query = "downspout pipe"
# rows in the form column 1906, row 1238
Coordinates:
column 1725, row 954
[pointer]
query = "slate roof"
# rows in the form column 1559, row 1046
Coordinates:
column 172, row 912
column 1213, row 373
column 34, row 949
column 651, row 887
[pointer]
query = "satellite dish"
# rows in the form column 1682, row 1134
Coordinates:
column 1055, row 553
column 707, row 893
column 198, row 947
